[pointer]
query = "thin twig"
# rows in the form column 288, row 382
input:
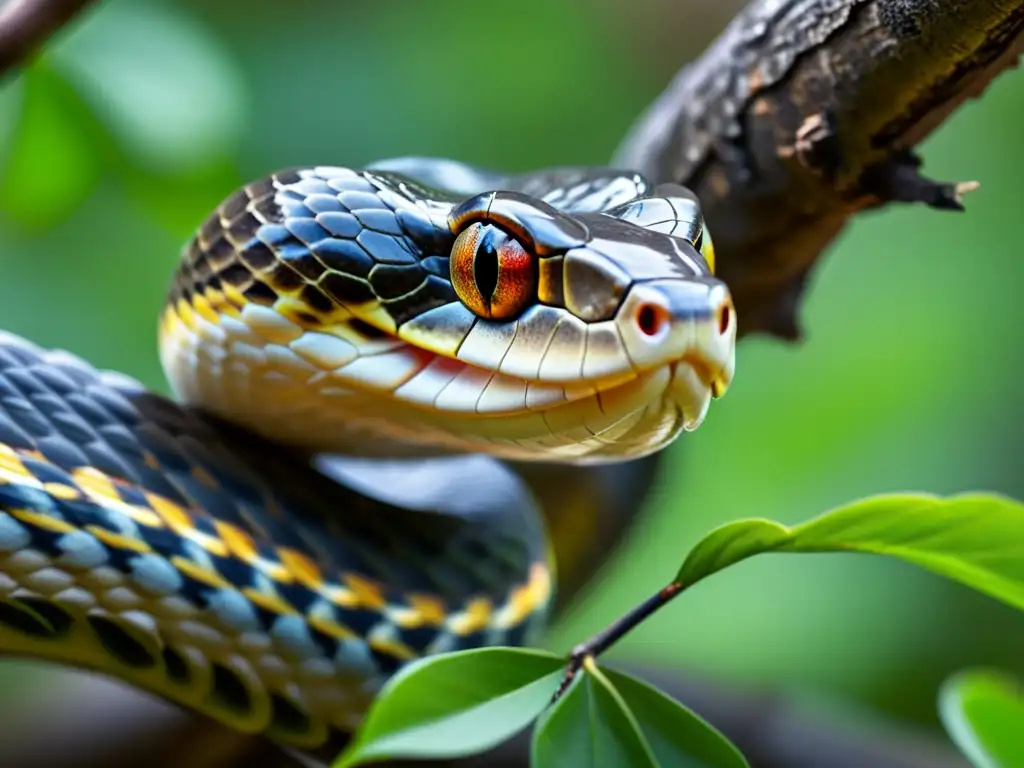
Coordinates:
column 25, row 25
column 607, row 637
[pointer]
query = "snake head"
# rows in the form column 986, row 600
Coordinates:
column 360, row 311
column 608, row 325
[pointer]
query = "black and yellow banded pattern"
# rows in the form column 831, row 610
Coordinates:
column 142, row 539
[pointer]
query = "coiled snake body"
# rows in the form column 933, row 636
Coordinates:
column 355, row 353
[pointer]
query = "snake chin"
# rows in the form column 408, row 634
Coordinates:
column 695, row 383
column 690, row 394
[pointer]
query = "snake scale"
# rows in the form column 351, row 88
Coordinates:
column 361, row 359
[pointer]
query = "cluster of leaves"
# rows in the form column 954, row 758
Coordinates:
column 468, row 702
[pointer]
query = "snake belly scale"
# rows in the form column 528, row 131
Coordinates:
column 356, row 357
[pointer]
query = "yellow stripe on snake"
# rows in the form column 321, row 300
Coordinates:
column 356, row 355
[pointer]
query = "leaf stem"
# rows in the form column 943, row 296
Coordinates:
column 597, row 644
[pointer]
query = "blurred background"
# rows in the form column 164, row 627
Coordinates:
column 144, row 115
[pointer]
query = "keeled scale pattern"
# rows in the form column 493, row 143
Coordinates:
column 139, row 539
column 335, row 239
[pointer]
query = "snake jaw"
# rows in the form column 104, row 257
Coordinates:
column 696, row 381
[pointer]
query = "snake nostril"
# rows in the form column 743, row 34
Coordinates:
column 724, row 318
column 650, row 319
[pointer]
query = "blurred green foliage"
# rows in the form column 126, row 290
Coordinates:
column 139, row 119
column 982, row 709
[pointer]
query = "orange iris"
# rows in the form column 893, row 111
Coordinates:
column 491, row 272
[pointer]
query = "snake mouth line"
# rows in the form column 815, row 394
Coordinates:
column 432, row 383
column 474, row 390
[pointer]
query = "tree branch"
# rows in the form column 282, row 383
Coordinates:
column 26, row 24
column 803, row 113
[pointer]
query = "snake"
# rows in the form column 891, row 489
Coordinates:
column 358, row 361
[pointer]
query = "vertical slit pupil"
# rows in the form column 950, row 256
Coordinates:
column 485, row 263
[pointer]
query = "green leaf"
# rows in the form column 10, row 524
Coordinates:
column 161, row 83
column 590, row 726
column 456, row 704
column 730, row 543
column 983, row 711
column 678, row 737
column 976, row 539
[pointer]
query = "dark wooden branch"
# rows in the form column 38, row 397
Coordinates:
column 804, row 113
column 25, row 25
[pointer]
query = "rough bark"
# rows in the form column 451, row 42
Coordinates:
column 802, row 114
column 25, row 25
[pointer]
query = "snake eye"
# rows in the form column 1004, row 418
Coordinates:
column 491, row 272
